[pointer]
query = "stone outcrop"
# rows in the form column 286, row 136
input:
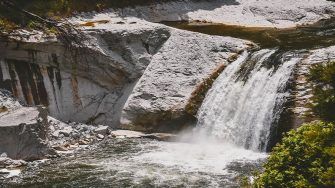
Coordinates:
column 137, row 74
column 23, row 131
column 250, row 13
column 159, row 99
column 129, row 69
column 302, row 92
column 86, row 84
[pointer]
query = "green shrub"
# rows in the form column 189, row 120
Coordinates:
column 6, row 25
column 323, row 77
column 304, row 158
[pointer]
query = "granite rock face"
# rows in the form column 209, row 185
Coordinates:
column 87, row 84
column 302, row 93
column 250, row 13
column 160, row 98
column 124, row 72
column 23, row 131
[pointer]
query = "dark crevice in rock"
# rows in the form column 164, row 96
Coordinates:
column 31, row 81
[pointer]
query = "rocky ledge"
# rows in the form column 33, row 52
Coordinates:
column 302, row 93
column 129, row 73
column 23, row 130
column 249, row 13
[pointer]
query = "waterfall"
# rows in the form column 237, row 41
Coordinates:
column 246, row 100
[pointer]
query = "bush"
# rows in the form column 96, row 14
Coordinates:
column 6, row 25
column 304, row 158
column 323, row 76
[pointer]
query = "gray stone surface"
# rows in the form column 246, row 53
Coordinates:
column 88, row 85
column 102, row 130
column 302, row 93
column 159, row 99
column 92, row 84
column 23, row 133
column 250, row 13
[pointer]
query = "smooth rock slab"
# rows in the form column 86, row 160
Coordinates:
column 127, row 134
column 161, row 136
column 249, row 13
column 177, row 72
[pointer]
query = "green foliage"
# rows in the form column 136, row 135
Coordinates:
column 58, row 9
column 323, row 76
column 304, row 158
column 6, row 26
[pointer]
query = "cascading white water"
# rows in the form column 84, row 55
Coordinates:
column 240, row 109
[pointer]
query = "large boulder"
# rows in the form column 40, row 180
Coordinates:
column 23, row 130
column 171, row 89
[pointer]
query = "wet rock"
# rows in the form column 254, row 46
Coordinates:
column 127, row 134
column 123, row 53
column 104, row 130
column 161, row 136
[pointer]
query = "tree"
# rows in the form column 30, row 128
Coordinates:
column 323, row 77
column 304, row 158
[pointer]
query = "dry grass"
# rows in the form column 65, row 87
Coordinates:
column 92, row 23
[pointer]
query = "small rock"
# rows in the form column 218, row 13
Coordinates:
column 60, row 148
column 102, row 130
column 83, row 128
column 52, row 128
column 66, row 131
column 10, row 173
column 55, row 134
column 74, row 146
column 83, row 142
column 6, row 162
column 161, row 136
column 4, row 172
column 75, row 135
column 87, row 136
column 100, row 136
column 127, row 134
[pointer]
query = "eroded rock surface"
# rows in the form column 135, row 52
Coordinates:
column 159, row 99
column 250, row 13
column 129, row 68
column 23, row 132
column 87, row 85
column 302, row 93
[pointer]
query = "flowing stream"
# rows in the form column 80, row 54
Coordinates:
column 236, row 122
